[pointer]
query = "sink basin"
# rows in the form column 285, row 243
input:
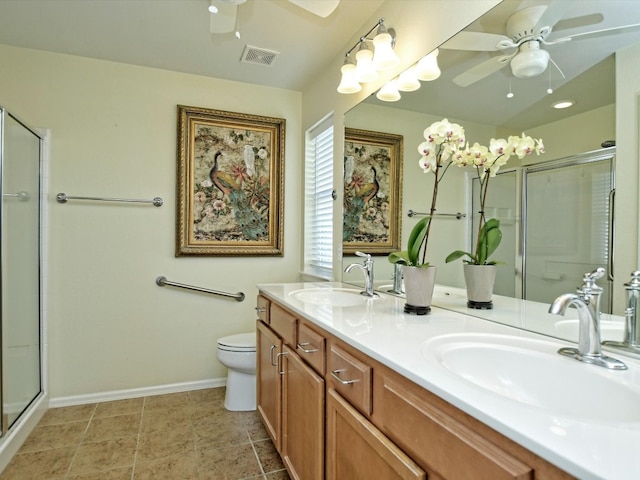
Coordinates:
column 336, row 297
column 609, row 330
column 531, row 372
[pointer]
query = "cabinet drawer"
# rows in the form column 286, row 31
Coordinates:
column 351, row 378
column 284, row 324
column 436, row 440
column 311, row 348
column 262, row 308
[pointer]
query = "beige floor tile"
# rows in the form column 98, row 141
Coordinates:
column 268, row 456
column 177, row 468
column 104, row 455
column 279, row 475
column 68, row 414
column 166, row 419
column 119, row 407
column 121, row 473
column 45, row 437
column 216, row 436
column 209, row 396
column 110, row 428
column 163, row 444
column 167, row 401
column 230, row 463
column 46, row 464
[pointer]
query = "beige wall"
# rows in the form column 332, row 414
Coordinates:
column 113, row 134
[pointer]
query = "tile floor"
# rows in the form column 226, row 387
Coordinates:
column 181, row 436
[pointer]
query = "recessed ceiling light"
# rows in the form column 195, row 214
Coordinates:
column 564, row 104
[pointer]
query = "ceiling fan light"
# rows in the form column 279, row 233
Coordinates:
column 365, row 69
column 408, row 81
column 530, row 61
column 389, row 92
column 348, row 83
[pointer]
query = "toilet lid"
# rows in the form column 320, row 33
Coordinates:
column 239, row 342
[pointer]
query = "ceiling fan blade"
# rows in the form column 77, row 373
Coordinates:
column 552, row 14
column 225, row 20
column 322, row 8
column 475, row 42
column 599, row 33
column 481, row 70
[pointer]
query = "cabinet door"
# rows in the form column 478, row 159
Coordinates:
column 269, row 381
column 302, row 419
column 356, row 449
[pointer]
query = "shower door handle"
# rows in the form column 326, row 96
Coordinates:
column 612, row 199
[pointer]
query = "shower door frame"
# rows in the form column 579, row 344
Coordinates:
column 5, row 425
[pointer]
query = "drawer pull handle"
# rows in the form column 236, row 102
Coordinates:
column 306, row 350
column 335, row 374
column 273, row 363
column 261, row 309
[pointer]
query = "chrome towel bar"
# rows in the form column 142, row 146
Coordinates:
column 22, row 196
column 162, row 281
column 63, row 197
column 412, row 213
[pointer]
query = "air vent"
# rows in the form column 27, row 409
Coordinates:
column 258, row 56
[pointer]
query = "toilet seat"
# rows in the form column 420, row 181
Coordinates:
column 241, row 342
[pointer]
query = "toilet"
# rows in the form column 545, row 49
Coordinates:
column 238, row 354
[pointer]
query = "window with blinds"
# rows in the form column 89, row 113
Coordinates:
column 318, row 211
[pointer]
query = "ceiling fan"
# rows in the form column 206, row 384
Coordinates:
column 225, row 19
column 527, row 33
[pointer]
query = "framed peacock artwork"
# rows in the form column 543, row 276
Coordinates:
column 230, row 183
column 372, row 191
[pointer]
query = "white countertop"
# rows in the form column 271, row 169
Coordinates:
column 603, row 449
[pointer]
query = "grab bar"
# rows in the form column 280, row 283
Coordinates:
column 412, row 213
column 162, row 281
column 21, row 196
column 63, row 197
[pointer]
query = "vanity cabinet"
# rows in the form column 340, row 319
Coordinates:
column 291, row 392
column 378, row 423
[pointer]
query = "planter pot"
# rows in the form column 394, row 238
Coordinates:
column 418, row 286
column 480, row 280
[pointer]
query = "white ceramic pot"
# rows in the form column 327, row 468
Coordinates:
column 418, row 286
column 480, row 280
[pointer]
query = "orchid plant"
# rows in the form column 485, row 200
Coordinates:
column 487, row 162
column 444, row 146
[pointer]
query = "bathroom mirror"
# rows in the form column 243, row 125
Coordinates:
column 582, row 70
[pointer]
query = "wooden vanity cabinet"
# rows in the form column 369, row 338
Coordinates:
column 378, row 423
column 290, row 393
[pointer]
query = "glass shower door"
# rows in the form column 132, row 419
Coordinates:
column 20, row 257
column 567, row 226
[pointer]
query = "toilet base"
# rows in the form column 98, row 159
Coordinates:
column 240, row 395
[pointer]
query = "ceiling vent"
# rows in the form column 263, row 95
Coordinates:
column 258, row 56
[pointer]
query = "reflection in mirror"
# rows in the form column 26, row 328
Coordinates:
column 473, row 91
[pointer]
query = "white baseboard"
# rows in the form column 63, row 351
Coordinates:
column 135, row 392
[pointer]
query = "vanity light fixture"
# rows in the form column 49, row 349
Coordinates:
column 369, row 62
column 427, row 68
column 408, row 80
column 389, row 92
column 564, row 104
column 348, row 83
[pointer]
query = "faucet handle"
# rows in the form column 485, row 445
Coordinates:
column 366, row 256
column 589, row 282
column 634, row 283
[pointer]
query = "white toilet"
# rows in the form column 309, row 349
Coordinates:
column 238, row 354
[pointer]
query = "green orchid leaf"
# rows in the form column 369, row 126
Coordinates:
column 399, row 257
column 415, row 240
column 456, row 255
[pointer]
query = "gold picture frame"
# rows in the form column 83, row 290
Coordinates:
column 372, row 186
column 230, row 183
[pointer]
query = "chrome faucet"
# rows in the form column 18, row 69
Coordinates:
column 367, row 269
column 587, row 301
column 397, row 280
column 631, row 341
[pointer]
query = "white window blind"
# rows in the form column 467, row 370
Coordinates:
column 318, row 221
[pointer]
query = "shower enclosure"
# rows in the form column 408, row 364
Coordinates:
column 21, row 326
column 556, row 221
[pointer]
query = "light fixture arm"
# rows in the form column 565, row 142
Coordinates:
column 365, row 37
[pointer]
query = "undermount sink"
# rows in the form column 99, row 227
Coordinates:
column 531, row 372
column 336, row 297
